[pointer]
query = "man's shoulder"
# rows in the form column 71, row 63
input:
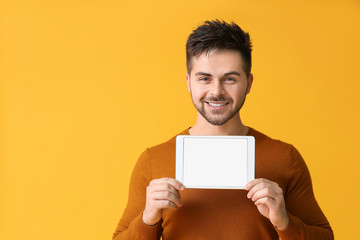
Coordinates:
column 167, row 146
column 276, row 159
column 264, row 141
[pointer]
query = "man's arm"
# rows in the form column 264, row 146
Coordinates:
column 161, row 194
column 131, row 225
column 156, row 195
column 269, row 200
column 295, row 214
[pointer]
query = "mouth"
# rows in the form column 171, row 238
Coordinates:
column 217, row 105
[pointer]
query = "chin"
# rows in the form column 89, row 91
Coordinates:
column 217, row 122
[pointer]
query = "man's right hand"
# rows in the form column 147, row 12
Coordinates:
column 161, row 194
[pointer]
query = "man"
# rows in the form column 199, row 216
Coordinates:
column 278, row 203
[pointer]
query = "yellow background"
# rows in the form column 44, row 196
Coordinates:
column 86, row 86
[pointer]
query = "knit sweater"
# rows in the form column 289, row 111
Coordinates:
column 223, row 213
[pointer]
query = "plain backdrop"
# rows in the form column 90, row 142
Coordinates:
column 86, row 86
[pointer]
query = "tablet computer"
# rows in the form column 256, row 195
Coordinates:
column 215, row 162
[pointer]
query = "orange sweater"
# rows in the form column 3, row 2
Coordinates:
column 226, row 214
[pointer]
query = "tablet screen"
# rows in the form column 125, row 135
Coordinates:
column 214, row 162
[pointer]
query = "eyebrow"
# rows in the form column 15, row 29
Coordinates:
column 232, row 73
column 226, row 74
column 203, row 74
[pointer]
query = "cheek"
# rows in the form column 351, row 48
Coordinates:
column 198, row 92
column 236, row 94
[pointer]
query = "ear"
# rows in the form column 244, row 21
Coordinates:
column 249, row 83
column 187, row 77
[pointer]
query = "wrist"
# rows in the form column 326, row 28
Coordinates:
column 147, row 221
column 284, row 224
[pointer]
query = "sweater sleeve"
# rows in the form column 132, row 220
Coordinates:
column 131, row 225
column 306, row 220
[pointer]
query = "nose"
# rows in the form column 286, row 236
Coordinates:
column 217, row 89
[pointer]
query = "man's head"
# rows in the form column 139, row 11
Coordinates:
column 218, row 78
column 219, row 35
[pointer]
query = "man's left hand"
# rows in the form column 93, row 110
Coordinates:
column 269, row 199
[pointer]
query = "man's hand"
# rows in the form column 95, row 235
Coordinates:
column 269, row 199
column 161, row 194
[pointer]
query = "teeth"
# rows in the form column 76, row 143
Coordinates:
column 217, row 104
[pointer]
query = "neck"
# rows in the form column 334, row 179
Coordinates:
column 232, row 127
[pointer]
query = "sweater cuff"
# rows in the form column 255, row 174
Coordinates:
column 139, row 228
column 292, row 231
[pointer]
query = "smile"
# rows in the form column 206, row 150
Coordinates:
column 217, row 105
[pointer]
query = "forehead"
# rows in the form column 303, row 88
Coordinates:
column 218, row 62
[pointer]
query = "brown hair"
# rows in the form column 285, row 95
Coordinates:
column 219, row 35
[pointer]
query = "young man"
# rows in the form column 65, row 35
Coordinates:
column 278, row 203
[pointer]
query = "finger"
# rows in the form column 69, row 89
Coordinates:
column 163, row 204
column 160, row 187
column 178, row 185
column 254, row 182
column 163, row 186
column 166, row 196
column 260, row 185
column 263, row 183
column 263, row 193
column 269, row 202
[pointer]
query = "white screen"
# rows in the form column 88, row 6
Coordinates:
column 215, row 162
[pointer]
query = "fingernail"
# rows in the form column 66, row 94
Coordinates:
column 182, row 187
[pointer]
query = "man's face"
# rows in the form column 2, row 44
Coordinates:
column 218, row 85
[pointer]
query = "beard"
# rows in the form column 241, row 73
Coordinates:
column 218, row 117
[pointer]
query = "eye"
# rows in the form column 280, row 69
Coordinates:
column 229, row 79
column 204, row 79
